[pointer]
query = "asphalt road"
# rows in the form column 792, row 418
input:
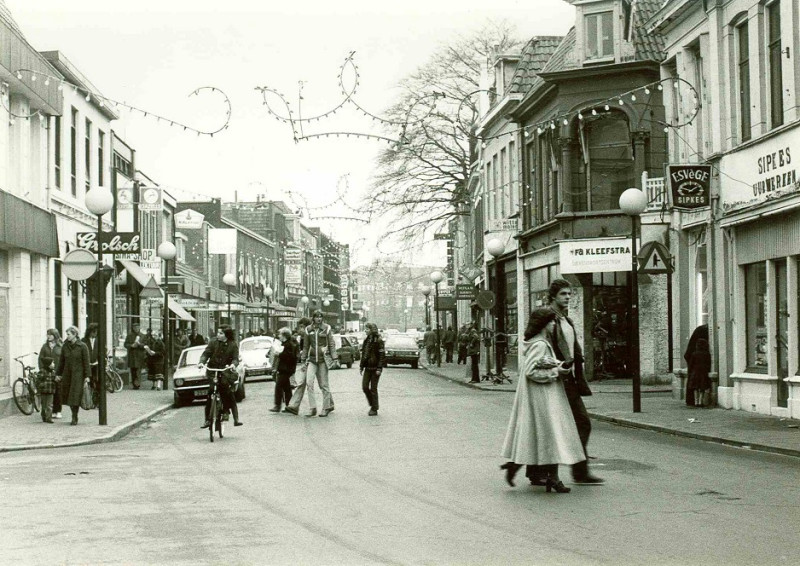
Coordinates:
column 419, row 484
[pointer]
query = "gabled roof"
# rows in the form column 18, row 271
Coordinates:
column 5, row 15
column 535, row 55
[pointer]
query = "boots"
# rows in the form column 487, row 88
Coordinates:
column 74, row 415
column 235, row 411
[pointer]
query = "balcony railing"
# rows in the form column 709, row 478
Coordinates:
column 655, row 189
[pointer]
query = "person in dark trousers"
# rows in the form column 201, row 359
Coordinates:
column 51, row 350
column 155, row 350
column 699, row 368
column 429, row 341
column 222, row 352
column 700, row 333
column 90, row 339
column 286, row 366
column 474, row 353
column 463, row 339
column 449, row 343
column 373, row 360
column 567, row 348
column 134, row 343
column 73, row 371
column 196, row 339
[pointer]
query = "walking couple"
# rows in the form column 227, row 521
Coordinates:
column 549, row 424
column 318, row 355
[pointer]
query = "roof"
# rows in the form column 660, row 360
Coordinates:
column 5, row 15
column 535, row 55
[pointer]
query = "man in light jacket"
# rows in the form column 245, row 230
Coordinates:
column 318, row 356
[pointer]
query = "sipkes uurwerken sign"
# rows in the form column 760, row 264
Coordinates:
column 111, row 243
column 689, row 185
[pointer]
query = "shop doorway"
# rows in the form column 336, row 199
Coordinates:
column 610, row 331
column 782, row 327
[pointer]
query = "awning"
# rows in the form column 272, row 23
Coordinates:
column 142, row 277
column 179, row 311
column 23, row 225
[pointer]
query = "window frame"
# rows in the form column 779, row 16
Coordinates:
column 774, row 62
column 599, row 16
column 74, row 151
column 753, row 332
column 57, row 150
column 87, row 154
column 742, row 40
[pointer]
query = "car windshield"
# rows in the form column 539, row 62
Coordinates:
column 191, row 357
column 263, row 343
column 401, row 342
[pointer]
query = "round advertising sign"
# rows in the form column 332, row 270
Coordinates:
column 79, row 264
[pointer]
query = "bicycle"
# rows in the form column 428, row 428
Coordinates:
column 215, row 412
column 26, row 397
column 114, row 382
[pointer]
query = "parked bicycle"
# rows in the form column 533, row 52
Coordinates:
column 114, row 382
column 216, row 412
column 26, row 397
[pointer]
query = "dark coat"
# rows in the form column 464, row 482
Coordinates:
column 700, row 333
column 179, row 344
column 155, row 361
column 473, row 343
column 429, row 339
column 373, row 353
column 220, row 354
column 73, row 367
column 197, row 340
column 53, row 354
column 699, row 368
column 449, row 337
column 48, row 357
column 93, row 352
column 136, row 353
column 575, row 379
column 287, row 359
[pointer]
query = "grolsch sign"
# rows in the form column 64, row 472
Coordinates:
column 112, row 243
column 689, row 185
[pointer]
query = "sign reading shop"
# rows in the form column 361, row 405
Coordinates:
column 596, row 255
column 689, row 185
column 113, row 243
column 764, row 171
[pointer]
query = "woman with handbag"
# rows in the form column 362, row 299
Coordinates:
column 48, row 358
column 541, row 430
column 155, row 350
column 73, row 371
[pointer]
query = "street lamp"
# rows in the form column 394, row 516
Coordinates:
column 495, row 247
column 633, row 202
column 304, row 299
column 167, row 252
column 426, row 291
column 99, row 202
column 229, row 280
column 436, row 277
column 405, row 320
column 268, row 294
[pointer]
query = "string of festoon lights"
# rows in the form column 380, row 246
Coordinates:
column 104, row 101
column 296, row 122
column 342, row 188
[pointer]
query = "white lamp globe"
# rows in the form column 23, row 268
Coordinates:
column 633, row 202
column 167, row 251
column 304, row 300
column 437, row 276
column 268, row 291
column 326, row 303
column 229, row 279
column 495, row 247
column 425, row 290
column 99, row 201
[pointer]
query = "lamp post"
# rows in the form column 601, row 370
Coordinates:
column 436, row 277
column 229, row 280
column 268, row 294
column 427, row 291
column 405, row 320
column 304, row 299
column 495, row 247
column 633, row 202
column 167, row 252
column 99, row 202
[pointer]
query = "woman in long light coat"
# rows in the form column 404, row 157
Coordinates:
column 541, row 430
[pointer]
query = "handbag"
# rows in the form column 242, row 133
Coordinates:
column 87, row 400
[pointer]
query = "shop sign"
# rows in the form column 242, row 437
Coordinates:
column 111, row 243
column 689, row 185
column 222, row 241
column 442, row 236
column 151, row 263
column 595, row 255
column 445, row 303
column 465, row 292
column 765, row 171
column 189, row 220
column 149, row 199
column 124, row 198
column 292, row 255
column 191, row 303
column 506, row 225
column 292, row 274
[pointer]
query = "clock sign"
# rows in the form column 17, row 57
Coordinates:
column 151, row 199
column 124, row 198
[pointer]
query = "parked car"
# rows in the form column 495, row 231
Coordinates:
column 190, row 383
column 356, row 344
column 402, row 349
column 344, row 350
column 254, row 353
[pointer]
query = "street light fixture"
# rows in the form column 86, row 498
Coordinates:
column 229, row 280
column 436, row 277
column 305, row 300
column 99, row 202
column 426, row 291
column 167, row 252
column 405, row 320
column 496, row 248
column 268, row 294
column 633, row 202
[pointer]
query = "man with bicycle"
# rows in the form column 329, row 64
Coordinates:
column 221, row 352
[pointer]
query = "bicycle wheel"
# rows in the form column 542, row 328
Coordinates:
column 212, row 417
column 220, row 426
column 115, row 380
column 22, row 399
column 36, row 399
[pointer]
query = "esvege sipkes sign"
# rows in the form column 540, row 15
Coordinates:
column 113, row 243
column 689, row 185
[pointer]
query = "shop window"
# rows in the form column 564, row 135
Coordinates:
column 781, row 313
column 3, row 266
column 701, row 281
column 775, row 62
column 743, row 51
column 599, row 35
column 608, row 156
column 539, row 285
column 755, row 284
column 548, row 164
column 58, row 297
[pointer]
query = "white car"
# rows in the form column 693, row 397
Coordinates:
column 254, row 353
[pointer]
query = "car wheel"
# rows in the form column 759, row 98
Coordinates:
column 414, row 365
column 240, row 393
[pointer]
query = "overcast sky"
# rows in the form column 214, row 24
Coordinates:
column 153, row 53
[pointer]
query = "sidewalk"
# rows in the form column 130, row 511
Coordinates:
column 125, row 410
column 612, row 401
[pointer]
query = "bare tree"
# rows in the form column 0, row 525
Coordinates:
column 420, row 183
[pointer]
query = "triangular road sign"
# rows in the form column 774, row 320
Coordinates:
column 151, row 290
column 655, row 259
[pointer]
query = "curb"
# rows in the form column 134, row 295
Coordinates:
column 646, row 426
column 116, row 434
column 465, row 383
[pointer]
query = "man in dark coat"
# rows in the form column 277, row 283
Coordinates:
column 373, row 360
column 430, row 343
column 222, row 352
column 73, row 371
column 90, row 339
column 700, row 333
column 462, row 340
column 134, row 343
column 474, row 353
column 286, row 365
column 449, row 343
column 567, row 348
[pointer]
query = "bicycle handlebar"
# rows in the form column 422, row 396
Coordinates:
column 218, row 370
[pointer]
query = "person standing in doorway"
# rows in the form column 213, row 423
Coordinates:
column 373, row 360
column 699, row 368
column 134, row 343
column 73, row 371
column 700, row 333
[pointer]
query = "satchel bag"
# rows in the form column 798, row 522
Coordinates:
column 87, row 400
column 543, row 375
